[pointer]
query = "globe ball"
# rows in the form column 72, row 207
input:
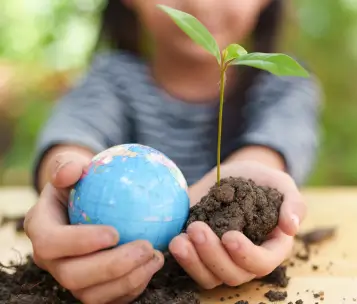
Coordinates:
column 137, row 190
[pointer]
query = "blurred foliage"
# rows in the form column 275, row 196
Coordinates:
column 44, row 44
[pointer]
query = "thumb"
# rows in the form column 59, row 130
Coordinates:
column 68, row 168
column 292, row 213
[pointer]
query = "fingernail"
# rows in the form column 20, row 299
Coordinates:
column 109, row 238
column 59, row 167
column 143, row 251
column 155, row 262
column 296, row 222
column 182, row 253
column 198, row 237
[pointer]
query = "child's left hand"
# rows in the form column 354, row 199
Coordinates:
column 234, row 259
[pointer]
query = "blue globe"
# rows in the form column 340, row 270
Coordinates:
column 137, row 190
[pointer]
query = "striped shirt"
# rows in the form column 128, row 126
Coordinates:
column 118, row 102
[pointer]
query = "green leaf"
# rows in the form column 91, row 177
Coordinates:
column 194, row 29
column 277, row 64
column 233, row 51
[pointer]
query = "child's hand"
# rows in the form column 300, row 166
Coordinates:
column 235, row 260
column 71, row 253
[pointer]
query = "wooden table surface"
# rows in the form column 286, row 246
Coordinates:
column 327, row 207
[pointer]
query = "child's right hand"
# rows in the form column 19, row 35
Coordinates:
column 71, row 252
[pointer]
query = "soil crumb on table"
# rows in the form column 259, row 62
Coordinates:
column 237, row 204
column 18, row 220
column 278, row 277
column 273, row 296
column 312, row 237
column 317, row 236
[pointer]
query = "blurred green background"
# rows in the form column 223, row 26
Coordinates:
column 45, row 44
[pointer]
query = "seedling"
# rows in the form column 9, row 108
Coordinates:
column 233, row 54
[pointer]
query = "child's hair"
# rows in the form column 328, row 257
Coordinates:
column 120, row 29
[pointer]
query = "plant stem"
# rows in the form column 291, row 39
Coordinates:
column 221, row 101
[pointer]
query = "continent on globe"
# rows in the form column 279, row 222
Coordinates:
column 136, row 189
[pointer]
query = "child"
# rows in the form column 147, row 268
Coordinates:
column 170, row 102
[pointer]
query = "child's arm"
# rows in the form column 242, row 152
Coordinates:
column 261, row 154
column 89, row 119
column 282, row 125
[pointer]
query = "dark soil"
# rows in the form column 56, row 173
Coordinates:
column 278, row 277
column 30, row 284
column 237, row 204
column 312, row 237
column 18, row 220
column 273, row 296
column 317, row 236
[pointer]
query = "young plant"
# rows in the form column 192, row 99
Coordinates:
column 233, row 54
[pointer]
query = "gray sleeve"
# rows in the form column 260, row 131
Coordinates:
column 91, row 115
column 283, row 114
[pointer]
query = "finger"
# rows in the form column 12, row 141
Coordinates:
column 76, row 240
column 131, row 297
column 67, row 169
column 292, row 212
column 260, row 260
column 39, row 262
column 215, row 257
column 123, row 286
column 51, row 238
column 104, row 266
column 185, row 254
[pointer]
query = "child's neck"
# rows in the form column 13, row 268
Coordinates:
column 191, row 82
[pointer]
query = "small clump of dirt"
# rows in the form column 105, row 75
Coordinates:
column 312, row 237
column 274, row 296
column 317, row 235
column 18, row 220
column 278, row 277
column 235, row 204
